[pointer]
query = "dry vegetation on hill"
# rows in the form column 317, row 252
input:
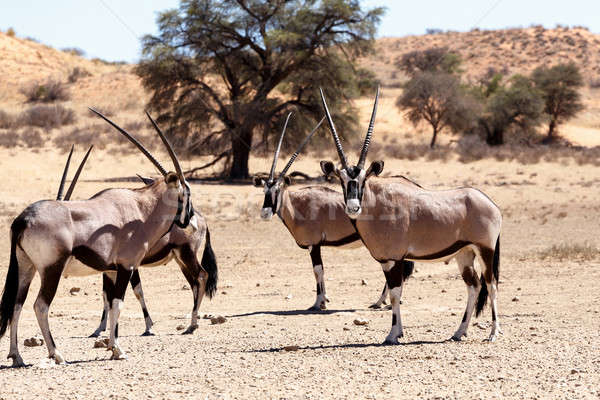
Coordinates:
column 117, row 91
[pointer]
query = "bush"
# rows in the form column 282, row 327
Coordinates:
column 32, row 138
column 9, row 139
column 10, row 32
column 46, row 116
column 78, row 73
column 6, row 120
column 47, row 92
column 76, row 51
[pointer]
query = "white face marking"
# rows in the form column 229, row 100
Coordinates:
column 267, row 212
column 353, row 206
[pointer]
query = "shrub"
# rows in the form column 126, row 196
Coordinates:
column 9, row 139
column 6, row 120
column 47, row 92
column 32, row 138
column 10, row 32
column 571, row 251
column 46, row 116
column 76, row 51
column 78, row 73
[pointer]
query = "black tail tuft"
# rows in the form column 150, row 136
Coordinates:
column 408, row 269
column 209, row 263
column 482, row 298
column 9, row 294
column 496, row 265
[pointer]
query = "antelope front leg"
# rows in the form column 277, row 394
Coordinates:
column 136, row 285
column 382, row 298
column 394, row 277
column 102, row 327
column 115, row 298
column 315, row 256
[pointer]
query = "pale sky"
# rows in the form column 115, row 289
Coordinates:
column 110, row 29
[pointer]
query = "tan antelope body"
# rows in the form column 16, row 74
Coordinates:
column 314, row 216
column 401, row 222
column 180, row 244
column 111, row 232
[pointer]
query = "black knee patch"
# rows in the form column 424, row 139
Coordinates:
column 395, row 276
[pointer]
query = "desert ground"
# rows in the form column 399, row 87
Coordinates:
column 548, row 300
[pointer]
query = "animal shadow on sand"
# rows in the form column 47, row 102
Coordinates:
column 350, row 346
column 293, row 312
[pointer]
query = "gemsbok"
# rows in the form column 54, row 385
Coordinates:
column 111, row 232
column 179, row 244
column 314, row 216
column 405, row 222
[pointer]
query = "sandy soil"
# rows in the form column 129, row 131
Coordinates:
column 549, row 309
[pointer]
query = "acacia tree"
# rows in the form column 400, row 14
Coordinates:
column 559, row 86
column 221, row 71
column 438, row 99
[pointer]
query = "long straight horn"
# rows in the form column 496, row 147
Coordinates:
column 79, row 169
column 61, row 187
column 336, row 138
column 304, row 142
column 134, row 141
column 365, row 148
column 276, row 156
column 169, row 149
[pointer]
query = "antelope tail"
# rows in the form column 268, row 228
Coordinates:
column 483, row 292
column 9, row 294
column 209, row 263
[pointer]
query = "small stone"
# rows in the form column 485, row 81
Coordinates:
column 291, row 348
column 101, row 343
column 219, row 319
column 185, row 287
column 481, row 325
column 515, row 299
column 574, row 371
column 443, row 290
column 346, row 328
column 33, row 342
column 361, row 321
column 223, row 292
column 180, row 327
column 364, row 282
column 288, row 297
column 74, row 290
column 207, row 316
column 258, row 285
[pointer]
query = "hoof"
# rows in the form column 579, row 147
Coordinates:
column 191, row 329
column 375, row 306
column 148, row 333
column 95, row 334
column 118, row 354
column 58, row 359
column 17, row 361
column 391, row 342
column 388, row 307
column 492, row 338
column 455, row 338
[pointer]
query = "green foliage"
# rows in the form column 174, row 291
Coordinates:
column 221, row 72
column 559, row 87
column 438, row 98
column 435, row 59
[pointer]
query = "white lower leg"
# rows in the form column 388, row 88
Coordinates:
column 321, row 296
column 464, row 325
column 41, row 313
column 14, row 341
column 396, row 331
column 102, row 327
column 113, row 343
column 493, row 289
column 139, row 294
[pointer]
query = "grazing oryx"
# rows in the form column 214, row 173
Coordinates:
column 403, row 222
column 181, row 244
column 111, row 232
column 315, row 217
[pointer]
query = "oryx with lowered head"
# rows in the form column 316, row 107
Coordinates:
column 180, row 244
column 111, row 232
column 314, row 216
column 406, row 222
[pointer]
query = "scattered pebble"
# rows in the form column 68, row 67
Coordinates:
column 74, row 290
column 515, row 299
column 258, row 285
column 101, row 343
column 481, row 325
column 346, row 328
column 33, row 341
column 364, row 282
column 218, row 319
column 180, row 327
column 361, row 321
column 291, row 348
column 207, row 316
column 288, row 297
column 185, row 287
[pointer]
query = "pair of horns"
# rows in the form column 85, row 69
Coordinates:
column 144, row 151
column 295, row 155
column 336, row 138
column 59, row 195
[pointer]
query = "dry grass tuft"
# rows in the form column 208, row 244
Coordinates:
column 48, row 92
column 6, row 120
column 570, row 251
column 46, row 116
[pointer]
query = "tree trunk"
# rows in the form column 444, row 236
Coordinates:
column 241, row 141
column 551, row 129
column 494, row 136
column 432, row 144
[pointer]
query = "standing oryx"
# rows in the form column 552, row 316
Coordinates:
column 400, row 222
column 315, row 217
column 181, row 244
column 111, row 232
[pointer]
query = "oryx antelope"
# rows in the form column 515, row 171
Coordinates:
column 314, row 216
column 401, row 222
column 111, row 232
column 181, row 244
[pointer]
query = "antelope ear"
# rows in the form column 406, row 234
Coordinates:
column 146, row 180
column 257, row 181
column 327, row 167
column 287, row 180
column 375, row 169
column 171, row 179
